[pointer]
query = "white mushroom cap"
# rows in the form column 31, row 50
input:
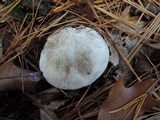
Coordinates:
column 74, row 57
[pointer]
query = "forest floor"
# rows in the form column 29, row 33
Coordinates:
column 128, row 89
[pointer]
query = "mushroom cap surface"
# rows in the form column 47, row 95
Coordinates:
column 73, row 58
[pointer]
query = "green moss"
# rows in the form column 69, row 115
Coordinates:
column 21, row 11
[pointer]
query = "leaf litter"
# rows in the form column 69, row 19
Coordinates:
column 127, row 103
column 128, row 37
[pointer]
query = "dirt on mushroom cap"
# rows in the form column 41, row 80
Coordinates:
column 74, row 57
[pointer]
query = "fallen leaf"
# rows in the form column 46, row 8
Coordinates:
column 120, row 96
column 138, row 25
column 51, row 107
column 46, row 109
column 86, row 6
column 44, row 115
column 54, row 105
column 142, row 65
column 149, row 103
column 13, row 77
column 1, row 49
column 5, row 19
column 154, row 45
column 80, row 3
column 114, row 57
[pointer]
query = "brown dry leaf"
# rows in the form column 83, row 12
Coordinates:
column 120, row 96
column 44, row 115
column 87, row 6
column 44, row 111
column 54, row 105
column 13, row 77
column 139, row 24
column 48, row 105
column 142, row 65
column 1, row 49
column 51, row 107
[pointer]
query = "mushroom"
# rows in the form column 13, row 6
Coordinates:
column 73, row 58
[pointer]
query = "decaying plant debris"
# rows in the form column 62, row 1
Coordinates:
column 131, row 28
